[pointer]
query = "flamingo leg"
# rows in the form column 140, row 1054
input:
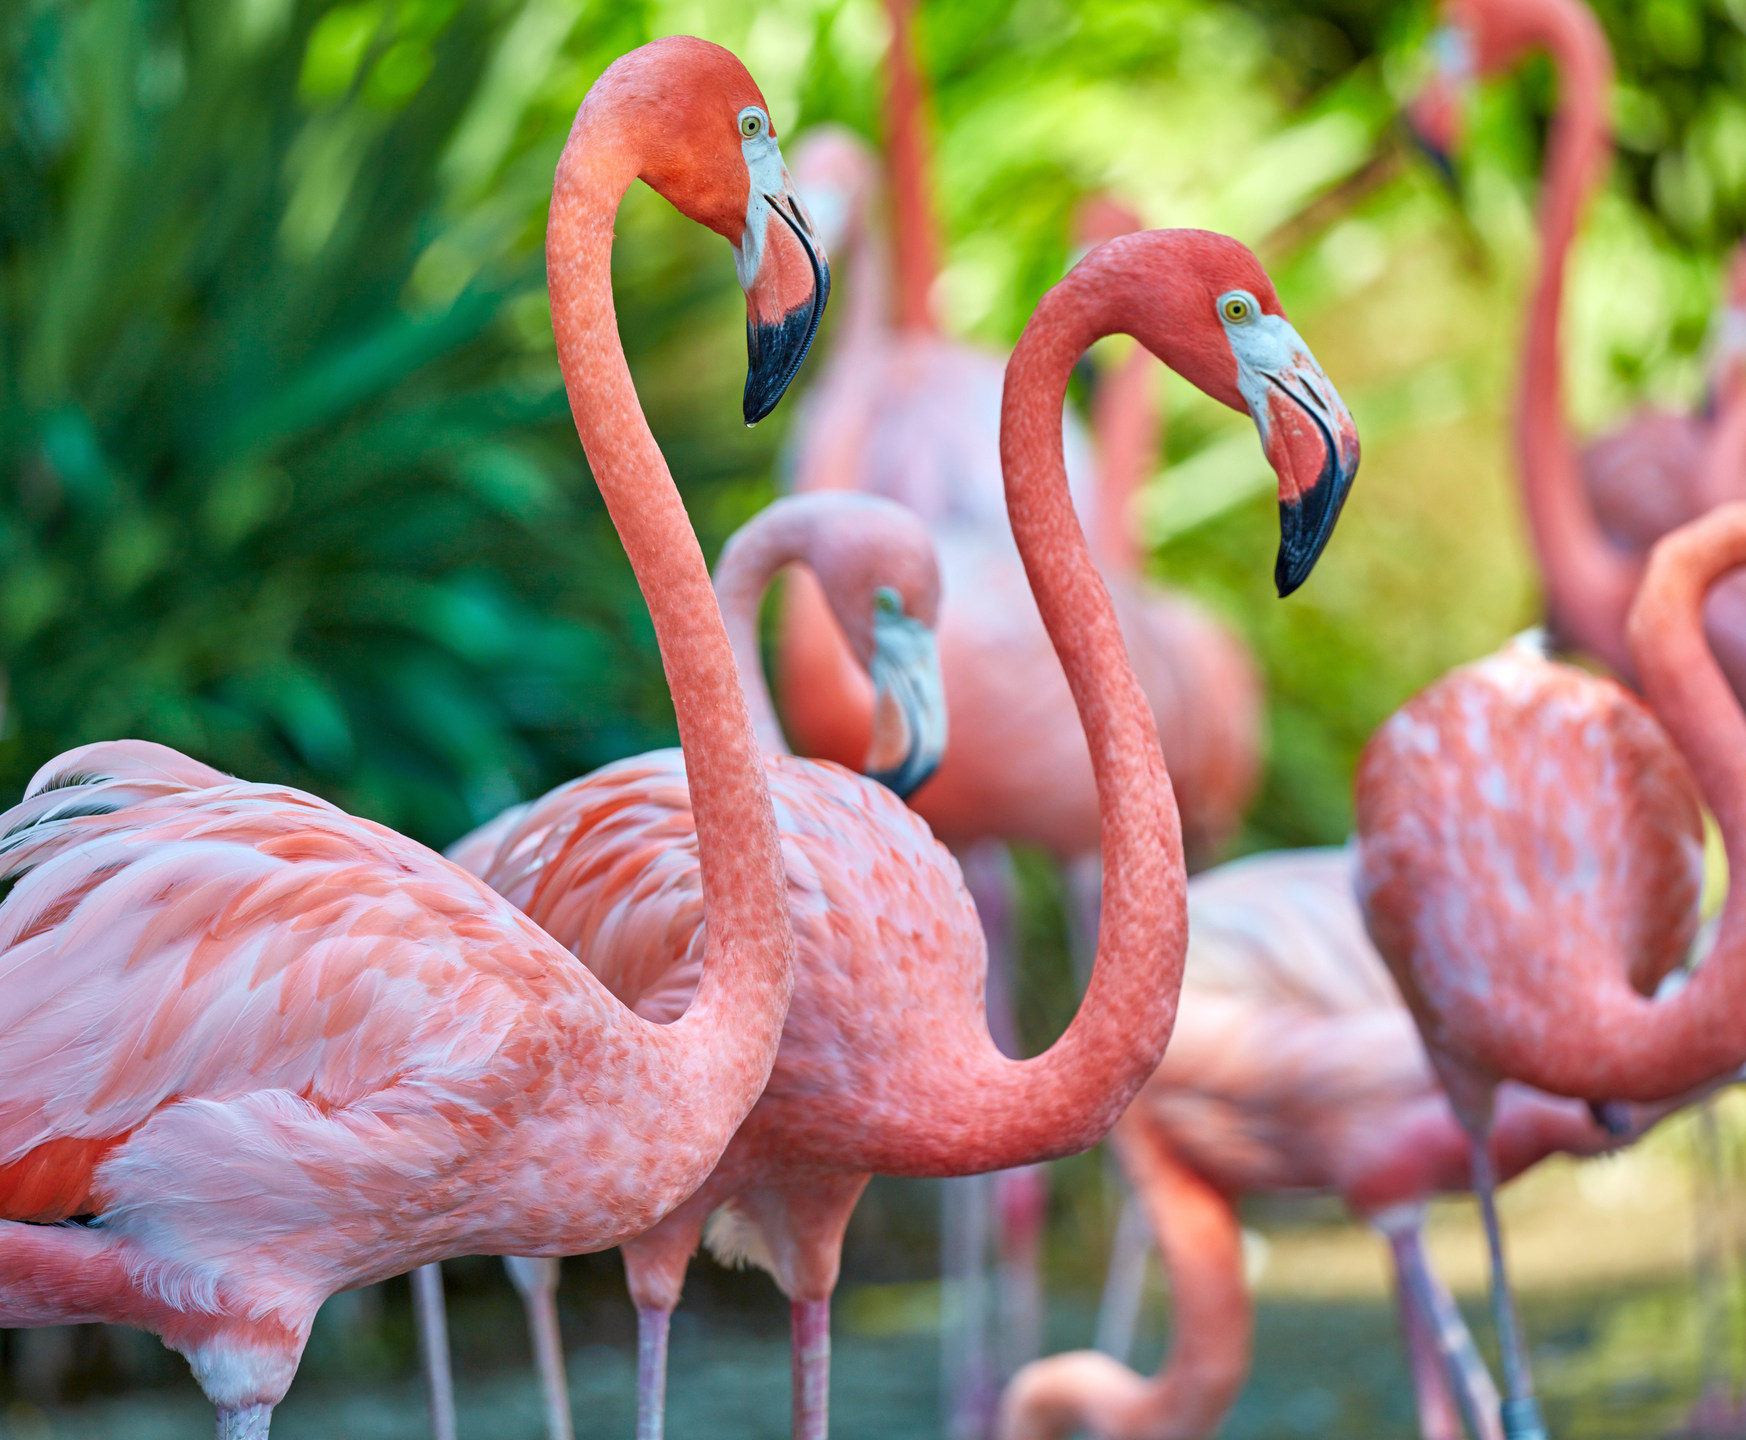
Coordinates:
column 811, row 1359
column 1520, row 1409
column 536, row 1281
column 1449, row 1374
column 1021, row 1201
column 433, row 1349
column 969, row 1388
column 652, row 1326
column 249, row 1423
column 1124, row 1286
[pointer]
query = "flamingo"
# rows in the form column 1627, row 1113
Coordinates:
column 902, row 411
column 1531, row 856
column 1591, row 513
column 259, row 1050
column 887, row 1065
column 1294, row 1066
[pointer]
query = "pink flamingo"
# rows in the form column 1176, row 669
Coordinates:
column 1294, row 1066
column 887, row 1065
column 266, row 1051
column 1530, row 865
column 1649, row 475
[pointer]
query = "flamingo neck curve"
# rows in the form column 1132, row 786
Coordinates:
column 1696, row 1036
column 781, row 535
column 995, row 1112
column 728, row 1037
column 913, row 222
column 1589, row 583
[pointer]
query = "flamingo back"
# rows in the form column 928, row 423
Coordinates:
column 1530, row 840
column 890, row 961
column 179, row 948
column 1294, row 1062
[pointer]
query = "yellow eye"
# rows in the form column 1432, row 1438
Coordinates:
column 751, row 123
column 1236, row 309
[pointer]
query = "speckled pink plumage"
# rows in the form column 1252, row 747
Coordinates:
column 1294, row 1066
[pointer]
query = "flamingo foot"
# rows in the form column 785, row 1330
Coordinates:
column 433, row 1348
column 811, row 1320
column 536, row 1281
column 249, row 1423
column 652, row 1324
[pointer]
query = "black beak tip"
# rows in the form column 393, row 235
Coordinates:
column 1305, row 527
column 1441, row 160
column 905, row 779
column 774, row 352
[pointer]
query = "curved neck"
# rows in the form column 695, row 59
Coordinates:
column 749, row 561
column 906, row 148
column 997, row 1113
column 1695, row 1036
column 733, row 1025
column 1589, row 583
column 1212, row 1323
column 1130, row 429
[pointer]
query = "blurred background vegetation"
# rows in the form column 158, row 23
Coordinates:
column 289, row 476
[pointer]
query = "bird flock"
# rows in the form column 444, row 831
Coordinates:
column 257, row 1051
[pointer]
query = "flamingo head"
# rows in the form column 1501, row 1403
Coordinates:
column 876, row 564
column 1207, row 309
column 712, row 152
column 837, row 174
column 1483, row 38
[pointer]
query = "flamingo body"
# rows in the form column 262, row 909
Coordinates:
column 1294, row 1067
column 1596, row 893
column 276, row 1051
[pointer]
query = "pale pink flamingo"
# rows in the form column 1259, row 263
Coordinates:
column 266, row 1051
column 1648, row 475
column 1531, row 855
column 1294, row 1066
column 887, row 1065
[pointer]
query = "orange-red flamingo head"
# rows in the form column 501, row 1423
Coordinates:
column 1206, row 308
column 709, row 148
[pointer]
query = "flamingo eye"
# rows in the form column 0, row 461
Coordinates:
column 752, row 122
column 887, row 601
column 1237, row 309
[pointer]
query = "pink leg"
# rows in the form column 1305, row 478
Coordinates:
column 433, row 1349
column 536, row 1281
column 652, row 1371
column 1521, row 1411
column 1449, row 1376
column 248, row 1424
column 1021, row 1200
column 811, row 1320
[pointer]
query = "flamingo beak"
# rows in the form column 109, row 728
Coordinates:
column 782, row 268
column 1308, row 435
column 909, row 703
column 1433, row 119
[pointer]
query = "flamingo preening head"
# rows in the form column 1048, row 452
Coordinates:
column 874, row 561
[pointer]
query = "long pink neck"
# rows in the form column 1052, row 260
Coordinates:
column 1212, row 1323
column 779, row 536
column 1130, row 428
column 994, row 1112
column 1589, row 583
column 906, row 146
column 729, row 1035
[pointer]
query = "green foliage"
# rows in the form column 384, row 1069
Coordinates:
column 292, row 479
